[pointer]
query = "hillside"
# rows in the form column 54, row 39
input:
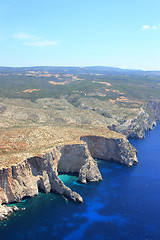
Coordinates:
column 41, row 107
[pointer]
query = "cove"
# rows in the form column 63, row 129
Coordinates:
column 125, row 205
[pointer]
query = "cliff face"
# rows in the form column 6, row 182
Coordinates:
column 146, row 120
column 30, row 176
column 153, row 108
column 119, row 150
column 27, row 178
column 77, row 158
column 41, row 173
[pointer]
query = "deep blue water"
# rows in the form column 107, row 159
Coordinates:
column 125, row 205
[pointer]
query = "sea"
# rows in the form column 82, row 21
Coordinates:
column 125, row 205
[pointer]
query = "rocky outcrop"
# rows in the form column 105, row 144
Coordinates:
column 6, row 210
column 35, row 174
column 136, row 127
column 146, row 120
column 153, row 108
column 77, row 158
column 41, row 173
column 111, row 149
column 27, row 178
column 89, row 172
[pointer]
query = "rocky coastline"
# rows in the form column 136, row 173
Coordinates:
column 146, row 120
column 27, row 178
column 34, row 174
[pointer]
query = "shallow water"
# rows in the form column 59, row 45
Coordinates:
column 125, row 205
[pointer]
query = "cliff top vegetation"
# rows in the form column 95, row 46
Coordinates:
column 42, row 107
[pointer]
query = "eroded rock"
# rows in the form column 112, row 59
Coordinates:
column 27, row 178
column 146, row 120
column 5, row 211
column 111, row 149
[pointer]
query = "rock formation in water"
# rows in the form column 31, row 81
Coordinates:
column 35, row 174
column 5, row 211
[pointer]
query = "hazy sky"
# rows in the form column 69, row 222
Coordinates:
column 119, row 33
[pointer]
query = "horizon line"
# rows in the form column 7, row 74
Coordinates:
column 70, row 66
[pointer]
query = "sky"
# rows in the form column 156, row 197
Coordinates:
column 116, row 33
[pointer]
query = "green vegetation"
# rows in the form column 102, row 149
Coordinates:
column 84, row 82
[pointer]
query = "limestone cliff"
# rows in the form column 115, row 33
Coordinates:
column 77, row 158
column 112, row 149
column 41, row 173
column 36, row 174
column 146, row 120
column 153, row 107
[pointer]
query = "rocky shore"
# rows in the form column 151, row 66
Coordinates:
column 40, row 173
column 146, row 120
column 27, row 178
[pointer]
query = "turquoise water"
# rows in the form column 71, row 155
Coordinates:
column 125, row 205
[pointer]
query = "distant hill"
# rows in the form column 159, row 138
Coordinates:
column 77, row 70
